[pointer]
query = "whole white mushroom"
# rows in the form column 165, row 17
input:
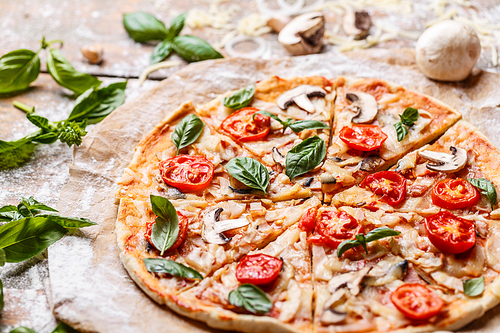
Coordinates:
column 448, row 51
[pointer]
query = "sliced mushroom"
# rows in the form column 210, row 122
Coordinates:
column 371, row 163
column 304, row 34
column 300, row 95
column 208, row 232
column 278, row 22
column 331, row 316
column 445, row 162
column 327, row 178
column 396, row 272
column 354, row 285
column 365, row 106
column 226, row 225
column 357, row 23
column 407, row 163
column 308, row 182
column 352, row 280
column 278, row 158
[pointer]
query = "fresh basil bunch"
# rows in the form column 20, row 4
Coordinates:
column 143, row 27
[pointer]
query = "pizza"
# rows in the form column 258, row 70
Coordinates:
column 310, row 204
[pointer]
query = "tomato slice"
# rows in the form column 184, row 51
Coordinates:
column 416, row 301
column 308, row 220
column 242, row 127
column 363, row 137
column 389, row 184
column 332, row 228
column 258, row 269
column 183, row 227
column 187, row 172
column 455, row 194
column 450, row 233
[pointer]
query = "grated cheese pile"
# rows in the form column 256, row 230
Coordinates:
column 253, row 25
column 217, row 17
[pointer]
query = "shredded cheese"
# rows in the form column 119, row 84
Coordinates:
column 253, row 25
column 217, row 17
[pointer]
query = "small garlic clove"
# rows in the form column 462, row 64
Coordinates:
column 93, row 53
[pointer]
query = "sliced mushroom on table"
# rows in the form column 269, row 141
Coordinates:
column 304, row 34
column 300, row 96
column 357, row 23
column 445, row 162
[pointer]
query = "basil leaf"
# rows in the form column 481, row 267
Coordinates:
column 401, row 131
column 39, row 121
column 380, row 233
column 300, row 125
column 22, row 329
column 250, row 172
column 3, row 260
column 64, row 328
column 305, row 156
column 171, row 267
column 1, row 296
column 241, row 98
column 176, row 26
column 8, row 208
column 409, row 117
column 67, row 77
column 95, row 104
column 474, row 287
column 347, row 245
column 166, row 227
column 143, row 27
column 10, row 216
column 28, row 237
column 192, row 48
column 32, row 204
column 487, row 188
column 362, row 241
column 14, row 153
column 18, row 69
column 68, row 222
column 187, row 131
column 161, row 51
column 250, row 298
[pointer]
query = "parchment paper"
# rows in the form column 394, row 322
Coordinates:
column 90, row 288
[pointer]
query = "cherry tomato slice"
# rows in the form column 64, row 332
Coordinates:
column 308, row 220
column 363, row 137
column 332, row 228
column 183, row 227
column 450, row 233
column 242, row 127
column 187, row 172
column 258, row 269
column 389, row 184
column 455, row 194
column 416, row 301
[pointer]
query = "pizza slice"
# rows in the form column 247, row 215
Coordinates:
column 375, row 124
column 382, row 272
column 268, row 290
column 168, row 246
column 182, row 159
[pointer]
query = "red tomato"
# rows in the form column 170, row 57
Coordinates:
column 308, row 220
column 389, row 184
column 258, row 269
column 332, row 228
column 450, row 233
column 187, row 172
column 242, row 127
column 416, row 301
column 363, row 137
column 183, row 227
column 454, row 194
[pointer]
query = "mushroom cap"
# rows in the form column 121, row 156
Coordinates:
column 366, row 105
column 357, row 24
column 445, row 162
column 448, row 51
column 300, row 95
column 303, row 34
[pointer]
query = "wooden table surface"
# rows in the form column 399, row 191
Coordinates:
column 80, row 23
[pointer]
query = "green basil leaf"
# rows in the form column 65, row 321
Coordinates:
column 143, row 27
column 14, row 153
column 300, row 125
column 250, row 172
column 95, row 104
column 346, row 245
column 409, row 117
column 64, row 328
column 10, row 216
column 64, row 73
column 1, row 295
column 380, row 233
column 362, row 241
column 474, row 287
column 161, row 52
column 46, row 138
column 401, row 131
column 68, row 222
column 18, row 69
column 22, row 329
column 192, row 48
column 28, row 237
column 166, row 227
column 32, row 204
column 3, row 260
column 171, row 267
column 187, row 131
column 487, row 188
column 250, row 298
column 176, row 26
column 305, row 156
column 39, row 121
column 241, row 98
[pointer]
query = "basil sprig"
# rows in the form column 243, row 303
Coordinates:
column 158, row 265
column 250, row 298
column 187, row 131
column 166, row 227
column 240, row 98
column 487, row 188
column 295, row 125
column 407, row 119
column 164, row 48
column 305, row 156
column 18, row 69
column 22, row 329
column 250, row 172
column 362, row 239
column 143, row 27
column 192, row 48
column 474, row 287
